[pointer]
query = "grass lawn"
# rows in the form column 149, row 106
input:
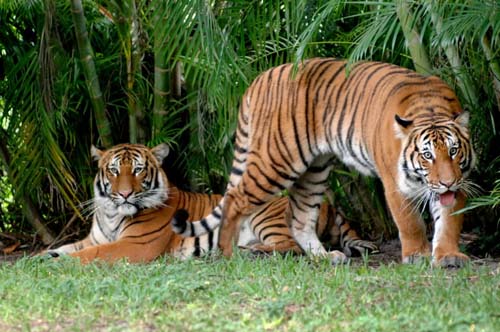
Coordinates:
column 246, row 294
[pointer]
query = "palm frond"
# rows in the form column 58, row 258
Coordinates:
column 37, row 160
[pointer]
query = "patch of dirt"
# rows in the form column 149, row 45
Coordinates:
column 390, row 252
column 13, row 248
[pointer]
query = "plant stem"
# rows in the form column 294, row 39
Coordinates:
column 91, row 78
column 160, row 87
column 29, row 209
column 133, row 55
column 464, row 81
column 417, row 50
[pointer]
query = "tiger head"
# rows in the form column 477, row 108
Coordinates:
column 436, row 157
column 130, row 178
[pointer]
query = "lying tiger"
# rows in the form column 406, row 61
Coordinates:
column 407, row 129
column 134, row 203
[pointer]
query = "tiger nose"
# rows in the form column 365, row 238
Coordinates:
column 125, row 193
column 447, row 183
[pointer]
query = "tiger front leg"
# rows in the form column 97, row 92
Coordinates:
column 412, row 230
column 68, row 248
column 447, row 228
column 124, row 249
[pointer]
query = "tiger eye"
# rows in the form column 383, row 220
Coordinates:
column 113, row 171
column 138, row 170
column 427, row 155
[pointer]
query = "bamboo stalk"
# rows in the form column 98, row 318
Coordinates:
column 161, row 72
column 91, row 78
column 131, row 38
column 413, row 38
column 464, row 81
column 128, row 26
column 30, row 211
column 161, row 88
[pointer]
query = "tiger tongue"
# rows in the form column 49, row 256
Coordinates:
column 447, row 198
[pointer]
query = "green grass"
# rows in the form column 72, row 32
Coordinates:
column 245, row 294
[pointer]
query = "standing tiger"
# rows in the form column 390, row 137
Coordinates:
column 134, row 203
column 384, row 120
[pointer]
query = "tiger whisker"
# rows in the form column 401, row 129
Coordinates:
column 471, row 189
column 88, row 207
column 417, row 201
column 423, row 201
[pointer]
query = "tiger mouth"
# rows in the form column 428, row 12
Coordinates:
column 127, row 208
column 127, row 205
column 447, row 198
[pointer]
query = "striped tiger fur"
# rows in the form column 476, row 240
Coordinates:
column 386, row 121
column 267, row 231
column 132, row 207
column 134, row 204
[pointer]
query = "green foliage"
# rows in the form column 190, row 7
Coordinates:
column 174, row 71
column 8, row 211
column 245, row 294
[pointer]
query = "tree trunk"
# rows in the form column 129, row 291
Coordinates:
column 91, row 78
column 413, row 38
column 29, row 209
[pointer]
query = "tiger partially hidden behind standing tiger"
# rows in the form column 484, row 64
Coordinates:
column 134, row 203
column 384, row 120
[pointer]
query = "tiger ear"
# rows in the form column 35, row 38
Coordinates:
column 96, row 153
column 401, row 126
column 403, row 122
column 462, row 118
column 160, row 151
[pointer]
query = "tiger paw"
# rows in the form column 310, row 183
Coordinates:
column 360, row 248
column 51, row 253
column 416, row 259
column 47, row 254
column 336, row 257
column 450, row 260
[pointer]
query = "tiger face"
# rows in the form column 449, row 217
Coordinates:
column 130, row 178
column 436, row 161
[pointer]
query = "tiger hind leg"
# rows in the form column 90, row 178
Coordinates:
column 255, row 189
column 306, row 196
